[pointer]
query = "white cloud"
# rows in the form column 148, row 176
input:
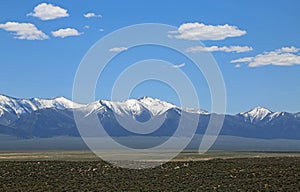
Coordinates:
column 26, row 31
column 86, row 27
column 118, row 49
column 237, row 49
column 65, row 32
column 237, row 65
column 90, row 15
column 179, row 65
column 200, row 31
column 291, row 49
column 101, row 30
column 242, row 60
column 46, row 11
column 285, row 56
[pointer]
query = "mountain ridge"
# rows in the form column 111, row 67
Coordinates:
column 137, row 99
column 37, row 117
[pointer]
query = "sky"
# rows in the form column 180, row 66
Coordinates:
column 255, row 44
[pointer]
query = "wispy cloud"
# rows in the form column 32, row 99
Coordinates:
column 86, row 27
column 237, row 66
column 46, row 11
column 179, row 65
column 118, row 49
column 90, row 15
column 237, row 49
column 200, row 31
column 26, row 31
column 66, row 32
column 285, row 56
column 101, row 30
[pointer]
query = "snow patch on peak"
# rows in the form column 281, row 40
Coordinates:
column 57, row 102
column 196, row 111
column 20, row 106
column 128, row 107
column 276, row 114
column 156, row 106
column 16, row 106
column 134, row 106
column 138, row 106
column 258, row 113
column 66, row 103
column 260, row 108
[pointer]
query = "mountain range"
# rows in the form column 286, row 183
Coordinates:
column 30, row 118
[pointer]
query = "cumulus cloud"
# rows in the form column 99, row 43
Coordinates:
column 237, row 49
column 285, row 56
column 200, row 31
column 90, row 15
column 118, row 49
column 26, row 31
column 291, row 49
column 46, row 11
column 65, row 32
column 179, row 65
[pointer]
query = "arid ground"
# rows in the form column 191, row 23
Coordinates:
column 214, row 171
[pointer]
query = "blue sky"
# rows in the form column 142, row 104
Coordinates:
column 263, row 69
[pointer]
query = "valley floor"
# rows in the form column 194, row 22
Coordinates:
column 218, row 171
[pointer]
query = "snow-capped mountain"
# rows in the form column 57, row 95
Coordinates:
column 54, row 117
column 12, row 108
column 260, row 114
column 256, row 114
column 130, row 107
column 137, row 106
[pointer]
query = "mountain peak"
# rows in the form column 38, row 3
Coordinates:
column 60, row 98
column 157, row 106
column 17, row 106
column 257, row 110
column 257, row 113
column 6, row 97
column 262, row 109
column 147, row 98
column 129, row 106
